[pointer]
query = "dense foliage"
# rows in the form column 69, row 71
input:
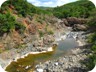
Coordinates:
column 92, row 58
column 8, row 23
column 80, row 9
column 92, row 40
column 23, row 7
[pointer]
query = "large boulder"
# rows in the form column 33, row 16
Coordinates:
column 77, row 27
column 32, row 29
column 74, row 20
column 38, row 43
column 64, row 21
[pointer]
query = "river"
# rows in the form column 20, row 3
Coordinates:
column 29, row 62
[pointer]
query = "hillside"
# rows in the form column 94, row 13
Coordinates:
column 80, row 9
column 20, row 21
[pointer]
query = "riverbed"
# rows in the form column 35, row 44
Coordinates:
column 29, row 62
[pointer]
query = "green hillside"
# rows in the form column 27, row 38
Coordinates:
column 80, row 9
column 23, row 7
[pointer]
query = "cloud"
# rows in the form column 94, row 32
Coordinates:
column 49, row 3
column 62, row 2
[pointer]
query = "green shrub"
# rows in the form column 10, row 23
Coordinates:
column 41, row 34
column 91, row 63
column 8, row 23
column 20, row 27
column 50, row 32
column 39, row 20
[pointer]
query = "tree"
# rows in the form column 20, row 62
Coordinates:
column 8, row 23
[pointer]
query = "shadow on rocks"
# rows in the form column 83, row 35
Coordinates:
column 86, row 46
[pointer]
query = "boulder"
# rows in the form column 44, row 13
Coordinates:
column 39, row 70
column 30, row 17
column 38, row 43
column 64, row 21
column 79, row 27
column 28, row 21
column 48, row 39
column 35, row 44
column 32, row 28
column 74, row 20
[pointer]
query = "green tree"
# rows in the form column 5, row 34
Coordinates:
column 6, row 23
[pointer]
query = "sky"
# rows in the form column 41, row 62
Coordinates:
column 50, row 3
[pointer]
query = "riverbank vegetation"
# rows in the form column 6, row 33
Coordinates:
column 92, row 40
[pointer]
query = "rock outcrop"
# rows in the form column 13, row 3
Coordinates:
column 74, row 20
column 80, row 27
column 64, row 21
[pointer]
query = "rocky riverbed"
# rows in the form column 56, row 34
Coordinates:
column 68, row 63
column 14, row 54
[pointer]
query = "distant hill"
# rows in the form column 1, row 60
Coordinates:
column 45, row 8
column 23, row 7
column 80, row 9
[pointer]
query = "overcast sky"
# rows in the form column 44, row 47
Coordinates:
column 50, row 3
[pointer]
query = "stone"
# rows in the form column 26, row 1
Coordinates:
column 79, row 27
column 74, row 20
column 64, row 21
column 26, row 67
column 48, row 39
column 32, row 29
column 39, row 70
column 27, row 20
